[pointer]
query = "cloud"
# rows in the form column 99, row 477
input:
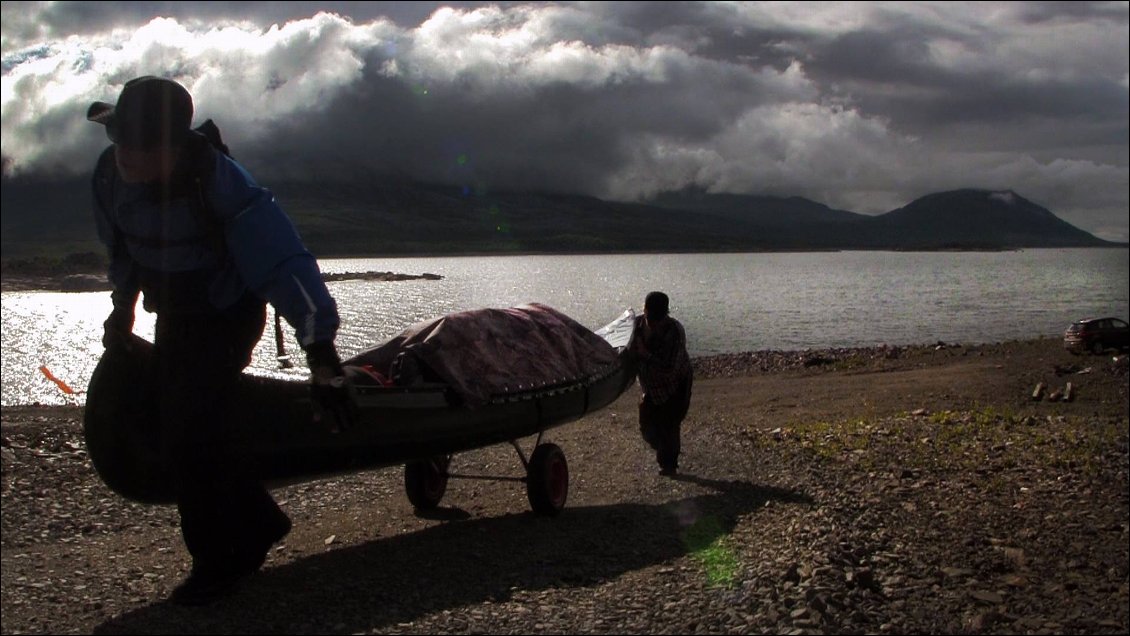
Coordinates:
column 824, row 152
column 243, row 76
column 860, row 106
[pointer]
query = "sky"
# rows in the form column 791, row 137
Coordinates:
column 859, row 106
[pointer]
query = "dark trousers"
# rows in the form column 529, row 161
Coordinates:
column 199, row 357
column 660, row 424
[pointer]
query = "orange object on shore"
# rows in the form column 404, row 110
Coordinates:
column 62, row 385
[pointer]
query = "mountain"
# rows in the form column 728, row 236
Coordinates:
column 767, row 211
column 388, row 217
column 46, row 217
column 975, row 218
column 958, row 219
column 789, row 222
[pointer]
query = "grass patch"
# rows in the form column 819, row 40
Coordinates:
column 707, row 541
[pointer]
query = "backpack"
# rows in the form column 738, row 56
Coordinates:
column 211, row 132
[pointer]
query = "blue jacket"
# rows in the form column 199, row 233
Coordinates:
column 212, row 252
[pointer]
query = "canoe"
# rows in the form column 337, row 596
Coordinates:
column 420, row 425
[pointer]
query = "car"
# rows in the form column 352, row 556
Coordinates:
column 1097, row 335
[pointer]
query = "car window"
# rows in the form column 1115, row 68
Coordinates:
column 1119, row 324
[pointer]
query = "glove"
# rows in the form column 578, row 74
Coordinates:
column 330, row 389
column 117, row 329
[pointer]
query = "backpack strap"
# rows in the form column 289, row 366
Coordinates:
column 206, row 214
column 202, row 162
column 105, row 178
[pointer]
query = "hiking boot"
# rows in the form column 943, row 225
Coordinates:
column 207, row 584
column 668, row 471
column 255, row 555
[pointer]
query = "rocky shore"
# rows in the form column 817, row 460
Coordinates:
column 882, row 490
column 88, row 282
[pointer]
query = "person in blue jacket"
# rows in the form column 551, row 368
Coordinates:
column 189, row 230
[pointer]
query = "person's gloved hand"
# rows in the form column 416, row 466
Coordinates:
column 117, row 329
column 329, row 387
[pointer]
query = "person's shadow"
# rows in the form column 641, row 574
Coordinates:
column 399, row 579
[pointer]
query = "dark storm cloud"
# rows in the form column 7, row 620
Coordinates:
column 1058, row 12
column 862, row 106
column 895, row 74
column 557, row 135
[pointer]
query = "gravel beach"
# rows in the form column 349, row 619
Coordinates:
column 884, row 490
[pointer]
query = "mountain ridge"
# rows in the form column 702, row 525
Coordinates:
column 392, row 218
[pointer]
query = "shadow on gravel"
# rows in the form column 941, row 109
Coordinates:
column 400, row 579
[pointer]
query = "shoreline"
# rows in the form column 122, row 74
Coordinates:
column 96, row 282
column 832, row 360
column 25, row 274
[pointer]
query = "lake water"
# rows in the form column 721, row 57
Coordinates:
column 728, row 302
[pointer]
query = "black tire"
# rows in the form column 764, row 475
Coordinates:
column 425, row 481
column 547, row 480
column 1097, row 347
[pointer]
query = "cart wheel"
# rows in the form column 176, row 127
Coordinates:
column 426, row 481
column 547, row 480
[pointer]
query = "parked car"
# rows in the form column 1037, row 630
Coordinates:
column 1097, row 335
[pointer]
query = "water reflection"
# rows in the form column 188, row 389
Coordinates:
column 728, row 302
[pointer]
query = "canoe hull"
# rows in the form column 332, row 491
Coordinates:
column 273, row 431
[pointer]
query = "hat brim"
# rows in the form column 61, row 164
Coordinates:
column 100, row 113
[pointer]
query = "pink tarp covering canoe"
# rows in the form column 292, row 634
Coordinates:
column 486, row 353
